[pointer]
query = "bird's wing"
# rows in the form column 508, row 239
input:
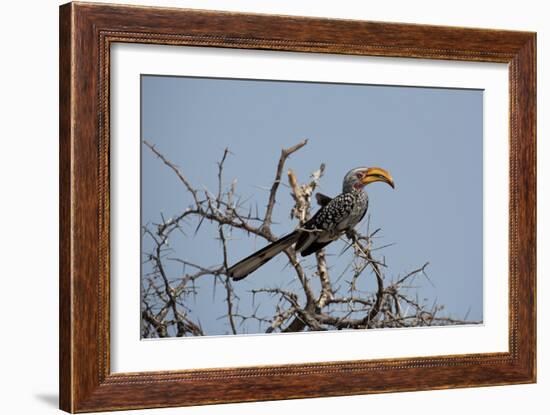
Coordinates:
column 322, row 200
column 325, row 221
column 330, row 215
column 314, row 247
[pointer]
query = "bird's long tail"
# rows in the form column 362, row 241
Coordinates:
column 251, row 263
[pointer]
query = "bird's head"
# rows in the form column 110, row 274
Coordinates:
column 361, row 176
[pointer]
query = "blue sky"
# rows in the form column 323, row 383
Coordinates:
column 430, row 139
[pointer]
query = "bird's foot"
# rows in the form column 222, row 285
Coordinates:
column 351, row 234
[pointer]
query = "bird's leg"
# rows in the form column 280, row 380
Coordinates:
column 355, row 238
column 352, row 236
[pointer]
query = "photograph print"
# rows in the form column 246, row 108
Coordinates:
column 272, row 206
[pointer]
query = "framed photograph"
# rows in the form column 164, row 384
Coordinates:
column 259, row 207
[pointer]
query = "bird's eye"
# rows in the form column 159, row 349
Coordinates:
column 359, row 175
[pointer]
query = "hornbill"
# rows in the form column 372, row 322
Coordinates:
column 335, row 217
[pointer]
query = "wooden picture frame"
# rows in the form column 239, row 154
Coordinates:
column 86, row 33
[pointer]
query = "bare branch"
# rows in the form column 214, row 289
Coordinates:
column 176, row 170
column 285, row 153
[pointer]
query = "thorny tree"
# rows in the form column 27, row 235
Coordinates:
column 319, row 300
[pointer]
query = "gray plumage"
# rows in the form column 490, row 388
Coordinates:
column 335, row 217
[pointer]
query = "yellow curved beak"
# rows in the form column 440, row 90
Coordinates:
column 377, row 174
